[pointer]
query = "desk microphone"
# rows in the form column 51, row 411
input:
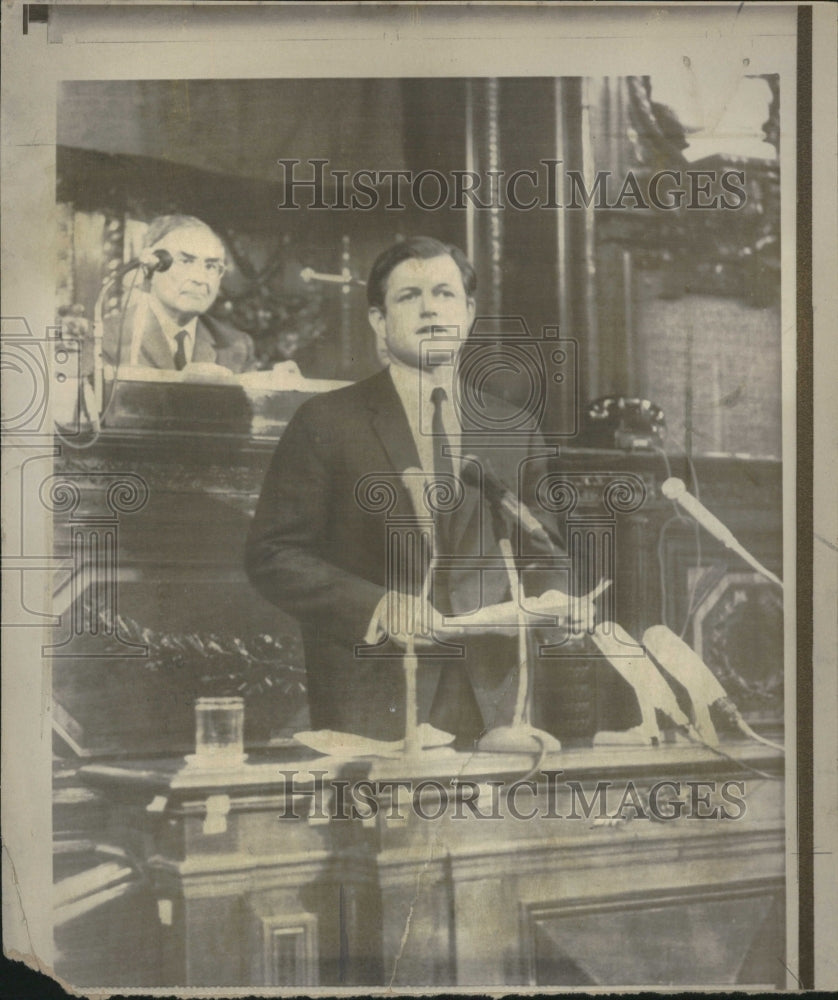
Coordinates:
column 675, row 490
column 502, row 498
column 683, row 663
column 634, row 666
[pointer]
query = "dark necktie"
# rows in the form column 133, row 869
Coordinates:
column 443, row 465
column 180, row 353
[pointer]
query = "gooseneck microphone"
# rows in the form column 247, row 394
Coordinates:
column 675, row 490
column 479, row 472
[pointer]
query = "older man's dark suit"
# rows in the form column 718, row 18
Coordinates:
column 215, row 342
column 317, row 550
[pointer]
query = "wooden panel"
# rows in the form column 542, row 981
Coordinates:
column 289, row 950
column 701, row 935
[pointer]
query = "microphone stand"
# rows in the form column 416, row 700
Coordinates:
column 158, row 260
column 520, row 736
column 410, row 663
column 98, row 338
column 99, row 335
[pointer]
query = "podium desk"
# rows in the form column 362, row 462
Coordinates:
column 450, row 870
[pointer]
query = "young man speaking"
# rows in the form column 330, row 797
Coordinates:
column 323, row 547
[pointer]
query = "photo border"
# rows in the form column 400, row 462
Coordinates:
column 805, row 467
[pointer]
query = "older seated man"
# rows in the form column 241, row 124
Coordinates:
column 170, row 329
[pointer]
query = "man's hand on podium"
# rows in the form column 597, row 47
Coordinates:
column 552, row 609
column 402, row 616
column 563, row 611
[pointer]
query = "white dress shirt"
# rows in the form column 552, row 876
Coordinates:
column 414, row 389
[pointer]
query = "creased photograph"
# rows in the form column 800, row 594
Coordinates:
column 400, row 499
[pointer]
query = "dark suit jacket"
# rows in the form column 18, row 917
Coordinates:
column 318, row 549
column 214, row 342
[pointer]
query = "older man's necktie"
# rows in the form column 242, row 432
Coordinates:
column 180, row 353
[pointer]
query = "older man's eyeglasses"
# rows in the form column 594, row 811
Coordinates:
column 210, row 265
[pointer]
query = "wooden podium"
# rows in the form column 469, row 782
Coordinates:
column 263, row 876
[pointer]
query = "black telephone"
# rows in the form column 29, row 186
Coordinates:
column 622, row 422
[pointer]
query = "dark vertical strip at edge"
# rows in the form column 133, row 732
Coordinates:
column 805, row 484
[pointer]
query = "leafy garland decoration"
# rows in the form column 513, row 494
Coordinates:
column 222, row 665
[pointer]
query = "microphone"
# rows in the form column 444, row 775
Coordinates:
column 149, row 260
column 687, row 667
column 503, row 499
column 652, row 691
column 683, row 663
column 344, row 278
column 675, row 490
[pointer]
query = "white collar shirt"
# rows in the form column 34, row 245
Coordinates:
column 414, row 390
